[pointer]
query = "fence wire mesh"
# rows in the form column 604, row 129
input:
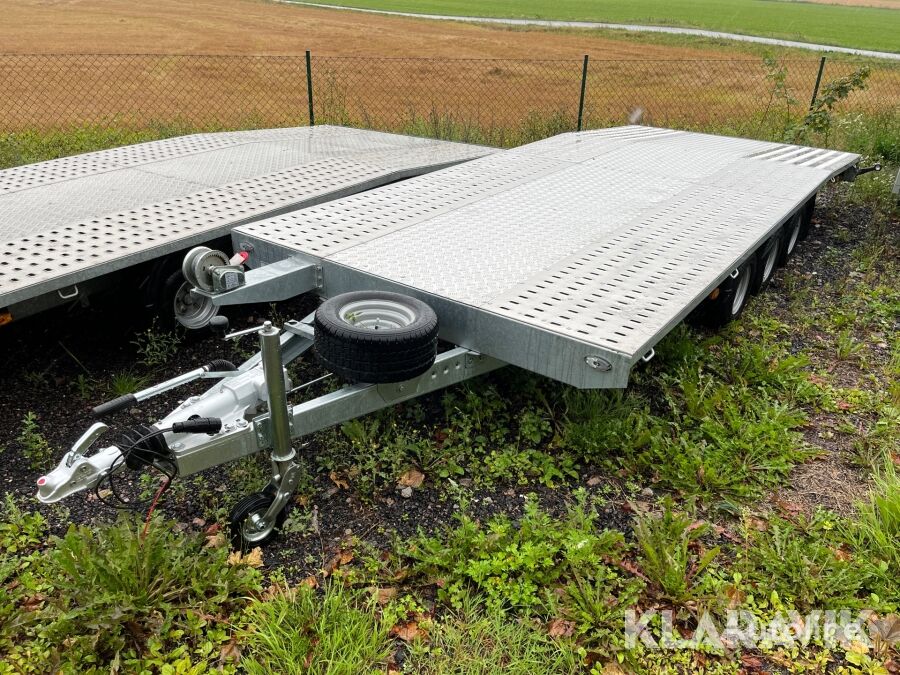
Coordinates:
column 502, row 102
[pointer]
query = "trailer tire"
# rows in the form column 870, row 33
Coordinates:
column 809, row 208
column 767, row 257
column 729, row 299
column 790, row 237
column 376, row 337
column 257, row 502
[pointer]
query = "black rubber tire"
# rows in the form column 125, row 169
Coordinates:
column 252, row 503
column 166, row 299
column 806, row 216
column 790, row 241
column 159, row 294
column 719, row 311
column 772, row 246
column 361, row 354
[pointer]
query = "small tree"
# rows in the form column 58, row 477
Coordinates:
column 820, row 117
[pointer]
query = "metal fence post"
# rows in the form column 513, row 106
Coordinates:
column 815, row 95
column 583, row 84
column 309, row 95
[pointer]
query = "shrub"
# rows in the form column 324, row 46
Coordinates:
column 669, row 554
column 36, row 449
column 120, row 595
column 514, row 565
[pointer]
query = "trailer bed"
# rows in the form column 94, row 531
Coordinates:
column 69, row 220
column 579, row 250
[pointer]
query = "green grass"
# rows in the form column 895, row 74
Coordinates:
column 120, row 598
column 300, row 633
column 476, row 641
column 861, row 27
column 37, row 145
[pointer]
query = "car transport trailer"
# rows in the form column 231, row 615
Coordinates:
column 570, row 257
column 68, row 226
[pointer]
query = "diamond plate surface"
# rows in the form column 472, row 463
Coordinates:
column 625, row 288
column 80, row 245
column 326, row 229
column 74, row 218
column 489, row 245
column 48, row 206
column 606, row 238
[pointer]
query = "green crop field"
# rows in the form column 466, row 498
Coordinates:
column 860, row 27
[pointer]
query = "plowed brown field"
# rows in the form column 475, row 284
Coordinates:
column 260, row 27
column 672, row 84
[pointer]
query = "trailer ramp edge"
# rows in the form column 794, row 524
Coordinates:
column 68, row 221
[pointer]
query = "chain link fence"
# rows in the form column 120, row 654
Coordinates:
column 501, row 102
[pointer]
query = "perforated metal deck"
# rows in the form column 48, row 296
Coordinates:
column 72, row 219
column 592, row 244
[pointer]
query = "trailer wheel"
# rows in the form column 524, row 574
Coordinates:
column 766, row 262
column 376, row 337
column 728, row 301
column 190, row 310
column 790, row 237
column 245, row 532
column 806, row 215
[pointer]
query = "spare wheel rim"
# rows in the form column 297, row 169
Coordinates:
column 377, row 314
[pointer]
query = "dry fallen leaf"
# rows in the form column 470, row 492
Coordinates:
column 385, row 595
column 406, row 630
column 230, row 652
column 841, row 554
column 751, row 663
column 758, row 524
column 254, row 558
column 217, row 540
column 251, row 559
column 342, row 557
column 310, row 581
column 33, row 602
column 628, row 566
column 412, row 478
column 788, row 508
column 561, row 628
column 735, row 596
column 338, row 481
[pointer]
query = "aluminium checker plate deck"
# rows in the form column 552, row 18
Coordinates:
column 68, row 220
column 571, row 257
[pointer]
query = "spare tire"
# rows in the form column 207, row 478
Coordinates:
column 376, row 336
